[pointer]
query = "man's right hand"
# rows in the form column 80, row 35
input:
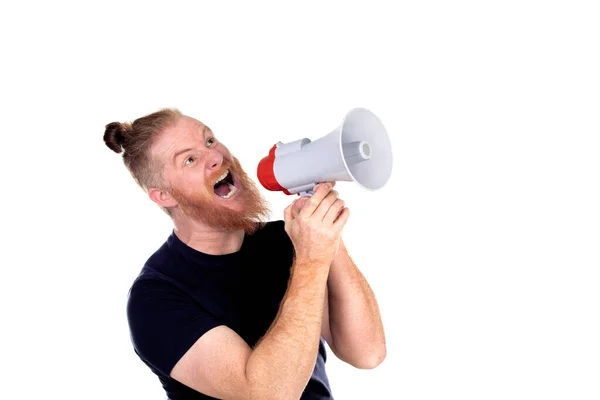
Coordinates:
column 316, row 230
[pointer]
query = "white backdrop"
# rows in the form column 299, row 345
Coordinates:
column 483, row 249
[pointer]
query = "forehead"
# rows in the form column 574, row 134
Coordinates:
column 185, row 133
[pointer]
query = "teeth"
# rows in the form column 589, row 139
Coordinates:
column 232, row 190
column 222, row 177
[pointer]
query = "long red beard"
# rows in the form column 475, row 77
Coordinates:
column 203, row 206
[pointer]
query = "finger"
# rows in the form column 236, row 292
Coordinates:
column 332, row 183
column 321, row 191
column 342, row 218
column 333, row 212
column 325, row 205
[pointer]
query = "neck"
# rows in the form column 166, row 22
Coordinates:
column 208, row 240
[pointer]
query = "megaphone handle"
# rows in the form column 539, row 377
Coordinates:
column 308, row 193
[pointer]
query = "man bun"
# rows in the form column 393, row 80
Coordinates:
column 114, row 135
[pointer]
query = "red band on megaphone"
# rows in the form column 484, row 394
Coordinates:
column 266, row 175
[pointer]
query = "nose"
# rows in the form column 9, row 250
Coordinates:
column 214, row 160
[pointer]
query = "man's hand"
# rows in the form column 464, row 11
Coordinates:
column 314, row 224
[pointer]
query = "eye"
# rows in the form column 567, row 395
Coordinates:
column 210, row 141
column 189, row 160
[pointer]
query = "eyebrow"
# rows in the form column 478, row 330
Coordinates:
column 180, row 152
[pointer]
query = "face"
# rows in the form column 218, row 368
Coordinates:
column 206, row 181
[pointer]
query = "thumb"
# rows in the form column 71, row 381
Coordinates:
column 299, row 203
column 287, row 213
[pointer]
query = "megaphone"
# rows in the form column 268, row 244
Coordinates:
column 358, row 150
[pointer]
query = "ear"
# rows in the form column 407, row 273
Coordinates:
column 161, row 197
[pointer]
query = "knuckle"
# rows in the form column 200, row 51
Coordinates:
column 335, row 203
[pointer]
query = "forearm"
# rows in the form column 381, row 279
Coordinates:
column 354, row 318
column 282, row 363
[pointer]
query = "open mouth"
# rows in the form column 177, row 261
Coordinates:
column 224, row 186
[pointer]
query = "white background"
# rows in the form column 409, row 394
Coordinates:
column 483, row 249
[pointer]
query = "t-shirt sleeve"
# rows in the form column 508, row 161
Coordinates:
column 164, row 323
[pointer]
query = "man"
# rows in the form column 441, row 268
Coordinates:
column 231, row 306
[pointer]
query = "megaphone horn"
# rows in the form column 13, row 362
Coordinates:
column 358, row 150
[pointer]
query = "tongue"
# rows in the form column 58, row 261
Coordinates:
column 222, row 189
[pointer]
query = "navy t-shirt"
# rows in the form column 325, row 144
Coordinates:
column 181, row 293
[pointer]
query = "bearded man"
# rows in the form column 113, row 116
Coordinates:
column 233, row 306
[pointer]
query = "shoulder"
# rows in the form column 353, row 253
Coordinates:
column 155, row 286
column 154, row 274
column 149, row 293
